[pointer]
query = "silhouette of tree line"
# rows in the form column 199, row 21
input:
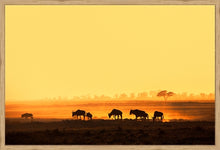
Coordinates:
column 152, row 95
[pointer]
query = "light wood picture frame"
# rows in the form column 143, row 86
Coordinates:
column 216, row 3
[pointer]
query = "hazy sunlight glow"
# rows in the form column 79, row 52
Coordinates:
column 92, row 49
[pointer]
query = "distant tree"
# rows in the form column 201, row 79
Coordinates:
column 132, row 96
column 142, row 96
column 96, row 97
column 115, row 96
column 203, row 95
column 211, row 96
column 165, row 94
column 162, row 94
column 123, row 96
column 169, row 94
column 153, row 93
column 191, row 96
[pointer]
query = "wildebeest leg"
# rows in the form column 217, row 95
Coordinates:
column 84, row 117
column 77, row 117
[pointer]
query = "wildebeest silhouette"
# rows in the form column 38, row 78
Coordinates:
column 89, row 115
column 27, row 115
column 139, row 113
column 158, row 114
column 115, row 113
column 79, row 113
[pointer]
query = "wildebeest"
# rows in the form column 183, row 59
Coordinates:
column 27, row 115
column 139, row 113
column 89, row 115
column 79, row 113
column 158, row 114
column 115, row 113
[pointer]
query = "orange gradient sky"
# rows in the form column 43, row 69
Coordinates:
column 74, row 50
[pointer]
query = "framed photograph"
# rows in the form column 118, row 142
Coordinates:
column 109, row 74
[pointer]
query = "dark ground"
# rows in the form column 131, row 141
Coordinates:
column 96, row 132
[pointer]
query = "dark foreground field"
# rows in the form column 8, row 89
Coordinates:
column 95, row 132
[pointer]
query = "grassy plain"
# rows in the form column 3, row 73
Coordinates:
column 108, row 132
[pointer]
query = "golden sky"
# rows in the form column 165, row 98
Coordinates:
column 73, row 50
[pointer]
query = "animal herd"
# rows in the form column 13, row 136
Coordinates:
column 80, row 113
column 115, row 113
